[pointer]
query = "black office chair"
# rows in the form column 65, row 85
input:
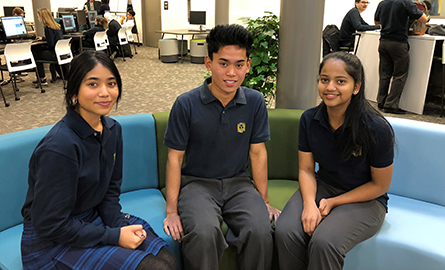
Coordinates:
column 331, row 35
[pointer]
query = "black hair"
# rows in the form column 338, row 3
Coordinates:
column 359, row 113
column 132, row 13
column 80, row 66
column 229, row 34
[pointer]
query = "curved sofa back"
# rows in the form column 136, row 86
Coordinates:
column 140, row 162
column 419, row 160
column 15, row 151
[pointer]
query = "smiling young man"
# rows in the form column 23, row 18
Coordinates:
column 219, row 126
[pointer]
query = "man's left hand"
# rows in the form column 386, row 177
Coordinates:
column 273, row 212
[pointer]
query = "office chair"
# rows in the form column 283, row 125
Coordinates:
column 122, row 36
column 130, row 38
column 100, row 41
column 63, row 56
column 4, row 99
column 19, row 58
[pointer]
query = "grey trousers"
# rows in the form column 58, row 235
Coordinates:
column 204, row 203
column 345, row 227
column 394, row 63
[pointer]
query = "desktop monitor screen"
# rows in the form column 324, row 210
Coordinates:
column 198, row 17
column 8, row 10
column 92, row 14
column 68, row 23
column 81, row 17
column 14, row 26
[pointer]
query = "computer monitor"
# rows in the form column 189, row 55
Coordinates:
column 81, row 17
column 8, row 10
column 198, row 18
column 69, row 25
column 92, row 14
column 14, row 27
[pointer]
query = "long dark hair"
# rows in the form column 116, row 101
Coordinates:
column 80, row 66
column 359, row 113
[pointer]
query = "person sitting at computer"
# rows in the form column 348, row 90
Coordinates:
column 91, row 5
column 354, row 22
column 20, row 12
column 103, row 7
column 129, row 22
column 100, row 26
column 113, row 29
column 53, row 33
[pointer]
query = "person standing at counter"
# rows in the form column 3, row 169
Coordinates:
column 354, row 22
column 393, row 16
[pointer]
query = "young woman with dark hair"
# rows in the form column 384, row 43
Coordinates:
column 72, row 215
column 345, row 201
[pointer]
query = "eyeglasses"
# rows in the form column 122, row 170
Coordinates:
column 365, row 2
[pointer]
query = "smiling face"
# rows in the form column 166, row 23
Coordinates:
column 229, row 68
column 336, row 86
column 97, row 94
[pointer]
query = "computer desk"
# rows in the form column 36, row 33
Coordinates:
column 182, row 33
column 34, row 42
column 421, row 57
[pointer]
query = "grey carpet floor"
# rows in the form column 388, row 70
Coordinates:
column 148, row 86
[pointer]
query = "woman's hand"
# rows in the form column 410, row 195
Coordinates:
column 325, row 207
column 132, row 236
column 38, row 38
column 310, row 218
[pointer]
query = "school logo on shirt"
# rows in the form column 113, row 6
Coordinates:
column 241, row 127
column 357, row 152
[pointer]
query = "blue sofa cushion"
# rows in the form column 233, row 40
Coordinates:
column 420, row 149
column 412, row 234
column 149, row 204
column 140, row 153
column 16, row 150
column 10, row 255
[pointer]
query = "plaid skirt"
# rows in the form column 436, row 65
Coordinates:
column 39, row 254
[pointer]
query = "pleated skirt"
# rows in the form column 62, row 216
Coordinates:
column 40, row 254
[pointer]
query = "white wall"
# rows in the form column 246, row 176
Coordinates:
column 335, row 10
column 27, row 4
column 176, row 16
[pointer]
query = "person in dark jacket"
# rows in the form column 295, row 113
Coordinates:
column 354, row 22
column 103, row 7
column 113, row 29
column 91, row 5
column 100, row 26
column 53, row 33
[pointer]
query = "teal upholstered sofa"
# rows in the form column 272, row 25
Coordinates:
column 412, row 236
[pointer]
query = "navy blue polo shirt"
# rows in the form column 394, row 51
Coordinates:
column 317, row 137
column 73, row 170
column 217, row 139
column 394, row 16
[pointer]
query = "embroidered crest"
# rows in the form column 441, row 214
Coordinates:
column 241, row 127
column 357, row 151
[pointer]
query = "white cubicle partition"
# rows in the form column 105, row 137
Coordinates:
column 421, row 57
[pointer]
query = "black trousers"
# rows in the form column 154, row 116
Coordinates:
column 41, row 53
column 394, row 64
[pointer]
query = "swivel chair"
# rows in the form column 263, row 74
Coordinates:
column 19, row 58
